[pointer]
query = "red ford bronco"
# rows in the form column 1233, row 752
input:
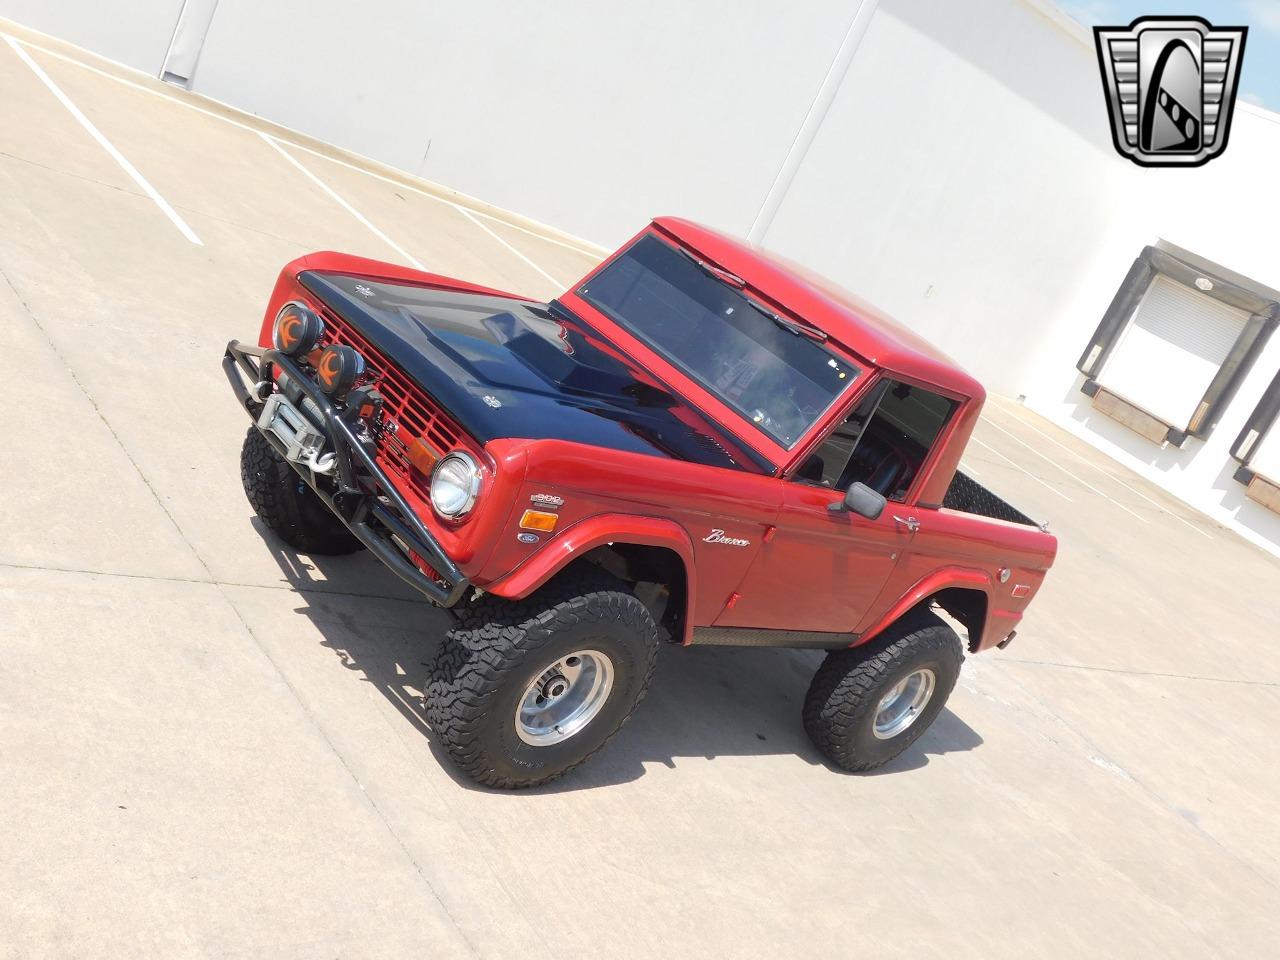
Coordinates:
column 699, row 443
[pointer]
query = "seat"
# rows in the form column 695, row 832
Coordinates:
column 887, row 475
column 877, row 464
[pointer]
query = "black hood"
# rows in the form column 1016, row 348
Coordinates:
column 511, row 368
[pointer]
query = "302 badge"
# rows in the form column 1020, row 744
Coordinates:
column 540, row 518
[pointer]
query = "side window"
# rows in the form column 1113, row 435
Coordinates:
column 827, row 465
column 884, row 441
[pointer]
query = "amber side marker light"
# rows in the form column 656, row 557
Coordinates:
column 538, row 520
column 422, row 457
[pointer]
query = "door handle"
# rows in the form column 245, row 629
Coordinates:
column 911, row 523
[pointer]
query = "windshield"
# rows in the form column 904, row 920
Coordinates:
column 771, row 370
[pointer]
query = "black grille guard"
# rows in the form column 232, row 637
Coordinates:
column 373, row 515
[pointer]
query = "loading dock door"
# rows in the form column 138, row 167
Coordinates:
column 1266, row 458
column 1171, row 350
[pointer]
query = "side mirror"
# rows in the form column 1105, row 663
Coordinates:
column 862, row 500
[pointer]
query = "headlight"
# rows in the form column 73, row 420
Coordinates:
column 297, row 330
column 455, row 485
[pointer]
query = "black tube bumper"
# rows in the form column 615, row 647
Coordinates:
column 367, row 502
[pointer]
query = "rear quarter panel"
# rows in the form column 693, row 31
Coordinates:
column 964, row 550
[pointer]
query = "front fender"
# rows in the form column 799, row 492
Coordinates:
column 597, row 531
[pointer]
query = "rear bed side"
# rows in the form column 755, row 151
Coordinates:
column 961, row 560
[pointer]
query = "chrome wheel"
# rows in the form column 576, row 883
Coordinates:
column 899, row 708
column 564, row 698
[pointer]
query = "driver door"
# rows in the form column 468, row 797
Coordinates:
column 821, row 570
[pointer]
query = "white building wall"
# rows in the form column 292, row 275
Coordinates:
column 132, row 32
column 1224, row 213
column 594, row 118
column 961, row 180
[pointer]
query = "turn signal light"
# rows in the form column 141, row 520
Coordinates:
column 538, row 520
column 422, row 457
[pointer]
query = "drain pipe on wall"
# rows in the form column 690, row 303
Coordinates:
column 813, row 119
column 188, row 40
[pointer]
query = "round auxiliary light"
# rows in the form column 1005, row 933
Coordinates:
column 455, row 485
column 338, row 369
column 297, row 330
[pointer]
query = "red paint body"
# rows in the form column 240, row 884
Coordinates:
column 804, row 568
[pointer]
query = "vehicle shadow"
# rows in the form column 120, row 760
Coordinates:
column 704, row 702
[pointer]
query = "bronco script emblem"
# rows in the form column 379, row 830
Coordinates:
column 717, row 536
column 1170, row 84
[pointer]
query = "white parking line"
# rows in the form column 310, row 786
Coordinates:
column 1106, row 473
column 470, row 215
column 103, row 142
column 462, row 209
column 271, row 142
column 476, row 220
column 449, row 203
column 596, row 252
column 382, row 236
column 1021, row 469
column 1059, row 466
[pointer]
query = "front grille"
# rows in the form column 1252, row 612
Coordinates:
column 415, row 413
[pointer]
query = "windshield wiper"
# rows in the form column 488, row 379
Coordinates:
column 799, row 329
column 719, row 273
column 711, row 270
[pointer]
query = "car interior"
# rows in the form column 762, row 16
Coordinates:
column 883, row 443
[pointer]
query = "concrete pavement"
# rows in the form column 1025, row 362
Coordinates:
column 214, row 747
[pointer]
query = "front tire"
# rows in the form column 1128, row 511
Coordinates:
column 521, row 692
column 284, row 502
column 868, row 704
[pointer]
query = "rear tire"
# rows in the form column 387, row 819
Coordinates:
column 868, row 704
column 283, row 501
column 584, row 640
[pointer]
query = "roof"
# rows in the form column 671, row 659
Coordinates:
column 844, row 317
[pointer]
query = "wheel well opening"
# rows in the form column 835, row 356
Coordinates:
column 967, row 606
column 657, row 575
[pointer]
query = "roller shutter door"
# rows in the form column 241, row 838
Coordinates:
column 1171, row 350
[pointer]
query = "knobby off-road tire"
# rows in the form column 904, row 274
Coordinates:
column 284, row 502
column 499, row 649
column 845, row 697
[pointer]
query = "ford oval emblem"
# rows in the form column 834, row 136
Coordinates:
column 527, row 537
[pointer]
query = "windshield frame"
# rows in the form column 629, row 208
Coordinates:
column 782, row 448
